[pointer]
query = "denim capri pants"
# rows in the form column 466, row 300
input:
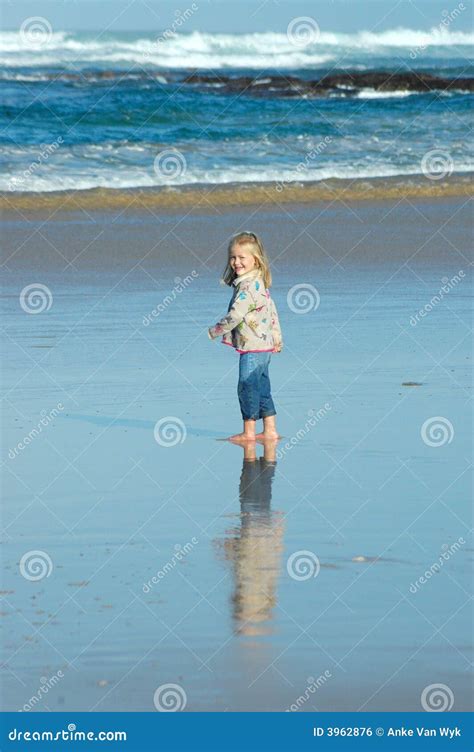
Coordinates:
column 254, row 386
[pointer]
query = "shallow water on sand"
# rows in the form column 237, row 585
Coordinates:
column 269, row 572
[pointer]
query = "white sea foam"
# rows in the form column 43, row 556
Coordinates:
column 80, row 178
column 205, row 50
column 374, row 94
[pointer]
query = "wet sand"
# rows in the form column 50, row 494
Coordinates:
column 188, row 564
column 204, row 197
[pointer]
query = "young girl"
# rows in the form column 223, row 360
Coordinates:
column 251, row 326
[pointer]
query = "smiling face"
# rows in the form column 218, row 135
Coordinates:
column 241, row 259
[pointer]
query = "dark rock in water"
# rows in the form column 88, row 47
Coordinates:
column 386, row 81
column 412, row 383
column 345, row 84
column 239, row 84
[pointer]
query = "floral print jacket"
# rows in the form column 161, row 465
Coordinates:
column 251, row 323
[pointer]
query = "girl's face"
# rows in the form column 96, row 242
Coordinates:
column 241, row 260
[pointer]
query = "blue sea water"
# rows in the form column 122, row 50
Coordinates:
column 114, row 110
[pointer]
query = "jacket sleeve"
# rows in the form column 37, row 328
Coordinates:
column 235, row 314
column 275, row 328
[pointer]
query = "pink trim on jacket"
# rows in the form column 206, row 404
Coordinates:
column 271, row 349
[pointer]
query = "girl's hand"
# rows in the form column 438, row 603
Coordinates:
column 278, row 348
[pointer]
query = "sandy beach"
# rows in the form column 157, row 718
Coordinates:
column 205, row 197
column 165, row 555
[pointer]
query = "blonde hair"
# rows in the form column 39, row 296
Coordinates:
column 258, row 252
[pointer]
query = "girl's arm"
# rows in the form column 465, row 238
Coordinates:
column 236, row 313
column 276, row 329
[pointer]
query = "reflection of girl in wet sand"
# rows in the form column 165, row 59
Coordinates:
column 256, row 549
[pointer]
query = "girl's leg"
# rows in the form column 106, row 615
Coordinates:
column 248, row 396
column 266, row 406
column 269, row 429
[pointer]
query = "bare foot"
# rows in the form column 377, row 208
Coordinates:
column 267, row 435
column 240, row 438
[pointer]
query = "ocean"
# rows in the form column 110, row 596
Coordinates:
column 129, row 110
